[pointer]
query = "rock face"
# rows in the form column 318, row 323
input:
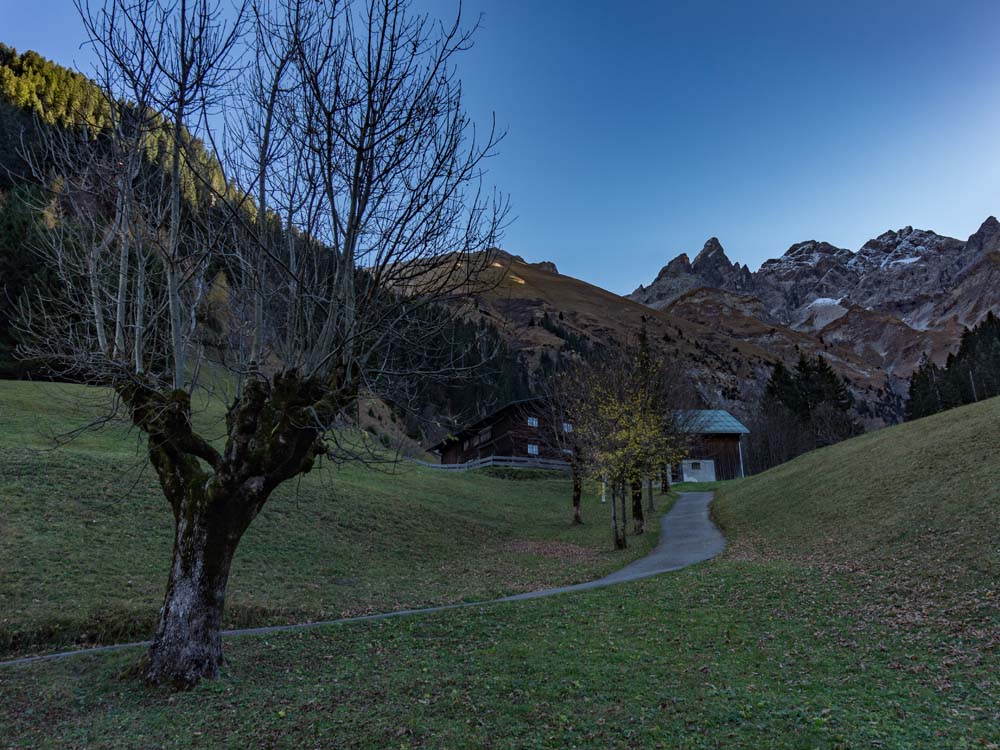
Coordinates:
column 711, row 268
column 546, row 265
column 902, row 294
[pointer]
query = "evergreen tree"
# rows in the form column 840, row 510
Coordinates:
column 971, row 374
column 804, row 408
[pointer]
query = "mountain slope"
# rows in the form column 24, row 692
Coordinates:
column 725, row 349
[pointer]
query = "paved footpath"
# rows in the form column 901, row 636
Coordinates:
column 687, row 536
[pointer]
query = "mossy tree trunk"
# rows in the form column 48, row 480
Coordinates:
column 274, row 433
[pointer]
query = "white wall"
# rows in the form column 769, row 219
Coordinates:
column 698, row 471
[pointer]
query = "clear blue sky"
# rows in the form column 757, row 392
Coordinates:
column 637, row 131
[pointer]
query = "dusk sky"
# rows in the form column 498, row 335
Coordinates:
column 637, row 132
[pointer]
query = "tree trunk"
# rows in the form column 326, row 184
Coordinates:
column 638, row 518
column 621, row 495
column 187, row 645
column 650, row 503
column 665, row 480
column 577, row 492
column 270, row 440
column 617, row 536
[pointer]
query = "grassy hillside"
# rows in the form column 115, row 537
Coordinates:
column 795, row 639
column 85, row 536
column 916, row 506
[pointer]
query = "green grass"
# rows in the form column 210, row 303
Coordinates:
column 85, row 535
column 914, row 508
column 728, row 655
column 817, row 629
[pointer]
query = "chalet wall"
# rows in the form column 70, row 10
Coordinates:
column 505, row 433
column 723, row 449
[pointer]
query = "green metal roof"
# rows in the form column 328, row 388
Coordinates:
column 713, row 422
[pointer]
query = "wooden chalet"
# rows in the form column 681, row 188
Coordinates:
column 715, row 448
column 518, row 430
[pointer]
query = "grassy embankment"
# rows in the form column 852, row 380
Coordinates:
column 85, row 535
column 855, row 607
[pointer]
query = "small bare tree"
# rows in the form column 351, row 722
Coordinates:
column 339, row 197
column 560, row 393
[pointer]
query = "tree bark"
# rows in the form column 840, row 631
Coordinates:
column 187, row 645
column 638, row 518
column 650, row 503
column 665, row 480
column 577, row 492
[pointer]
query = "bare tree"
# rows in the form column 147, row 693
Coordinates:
column 339, row 198
column 561, row 393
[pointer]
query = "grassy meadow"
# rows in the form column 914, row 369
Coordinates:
column 85, row 535
column 855, row 607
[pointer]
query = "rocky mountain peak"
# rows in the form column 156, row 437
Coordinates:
column 986, row 238
column 679, row 266
column 920, row 278
column 712, row 253
column 905, row 246
column 812, row 247
column 713, row 268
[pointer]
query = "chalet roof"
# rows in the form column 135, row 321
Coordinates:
column 713, row 422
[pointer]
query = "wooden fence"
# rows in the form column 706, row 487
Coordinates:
column 511, row 462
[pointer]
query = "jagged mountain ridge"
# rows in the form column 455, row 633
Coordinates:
column 544, row 314
column 903, row 294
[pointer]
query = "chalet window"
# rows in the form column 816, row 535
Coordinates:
column 465, row 445
column 485, row 434
column 532, row 421
column 567, row 427
column 532, row 449
column 696, row 466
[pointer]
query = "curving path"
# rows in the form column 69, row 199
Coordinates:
column 687, row 536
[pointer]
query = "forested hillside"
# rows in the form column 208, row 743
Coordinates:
column 39, row 97
column 969, row 375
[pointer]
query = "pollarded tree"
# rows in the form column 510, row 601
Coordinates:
column 289, row 263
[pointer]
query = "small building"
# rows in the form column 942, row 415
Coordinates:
column 518, row 430
column 715, row 449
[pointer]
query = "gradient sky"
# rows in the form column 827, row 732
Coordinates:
column 636, row 131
